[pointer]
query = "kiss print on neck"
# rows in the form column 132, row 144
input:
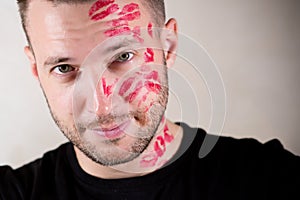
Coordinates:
column 160, row 147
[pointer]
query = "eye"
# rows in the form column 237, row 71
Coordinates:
column 123, row 57
column 63, row 69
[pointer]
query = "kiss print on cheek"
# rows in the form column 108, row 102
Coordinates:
column 152, row 76
column 126, row 86
column 133, row 95
column 152, row 87
column 132, row 86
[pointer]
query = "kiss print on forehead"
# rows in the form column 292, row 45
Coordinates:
column 129, row 8
column 119, row 31
column 111, row 9
column 129, row 12
column 98, row 5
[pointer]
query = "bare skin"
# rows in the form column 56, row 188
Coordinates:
column 62, row 36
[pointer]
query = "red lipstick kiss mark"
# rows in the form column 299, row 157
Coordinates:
column 152, row 76
column 98, row 5
column 132, row 96
column 150, row 29
column 129, row 12
column 144, row 98
column 129, row 8
column 131, row 16
column 118, row 31
column 110, row 10
column 107, row 89
column 153, row 87
column 149, row 160
column 137, row 34
column 149, row 55
column 160, row 146
column 126, row 85
column 169, row 138
column 118, row 23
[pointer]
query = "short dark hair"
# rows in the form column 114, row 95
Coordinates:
column 156, row 8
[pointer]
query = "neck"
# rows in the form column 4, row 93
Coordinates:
column 161, row 149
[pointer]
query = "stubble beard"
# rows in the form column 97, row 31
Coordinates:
column 116, row 155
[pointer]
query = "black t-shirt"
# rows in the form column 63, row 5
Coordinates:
column 234, row 169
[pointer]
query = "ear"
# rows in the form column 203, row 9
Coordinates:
column 171, row 41
column 32, row 61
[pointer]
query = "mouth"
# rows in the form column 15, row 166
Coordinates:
column 113, row 132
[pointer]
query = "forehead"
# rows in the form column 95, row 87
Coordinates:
column 68, row 26
column 62, row 15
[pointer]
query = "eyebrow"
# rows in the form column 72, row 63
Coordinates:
column 54, row 60
column 123, row 43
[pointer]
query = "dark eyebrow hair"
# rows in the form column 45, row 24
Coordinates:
column 123, row 43
column 54, row 60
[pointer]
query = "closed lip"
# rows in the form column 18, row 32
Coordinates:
column 112, row 132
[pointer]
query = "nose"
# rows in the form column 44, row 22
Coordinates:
column 103, row 96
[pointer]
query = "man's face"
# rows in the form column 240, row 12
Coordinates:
column 106, row 92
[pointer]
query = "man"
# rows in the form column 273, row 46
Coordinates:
column 102, row 67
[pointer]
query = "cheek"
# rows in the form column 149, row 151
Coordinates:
column 60, row 100
column 141, row 89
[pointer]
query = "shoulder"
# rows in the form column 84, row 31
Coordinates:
column 249, row 152
column 234, row 167
column 210, row 145
column 266, row 168
column 18, row 182
column 250, row 148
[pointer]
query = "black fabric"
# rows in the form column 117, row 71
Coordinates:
column 234, row 169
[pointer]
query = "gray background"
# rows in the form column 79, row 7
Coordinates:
column 255, row 44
